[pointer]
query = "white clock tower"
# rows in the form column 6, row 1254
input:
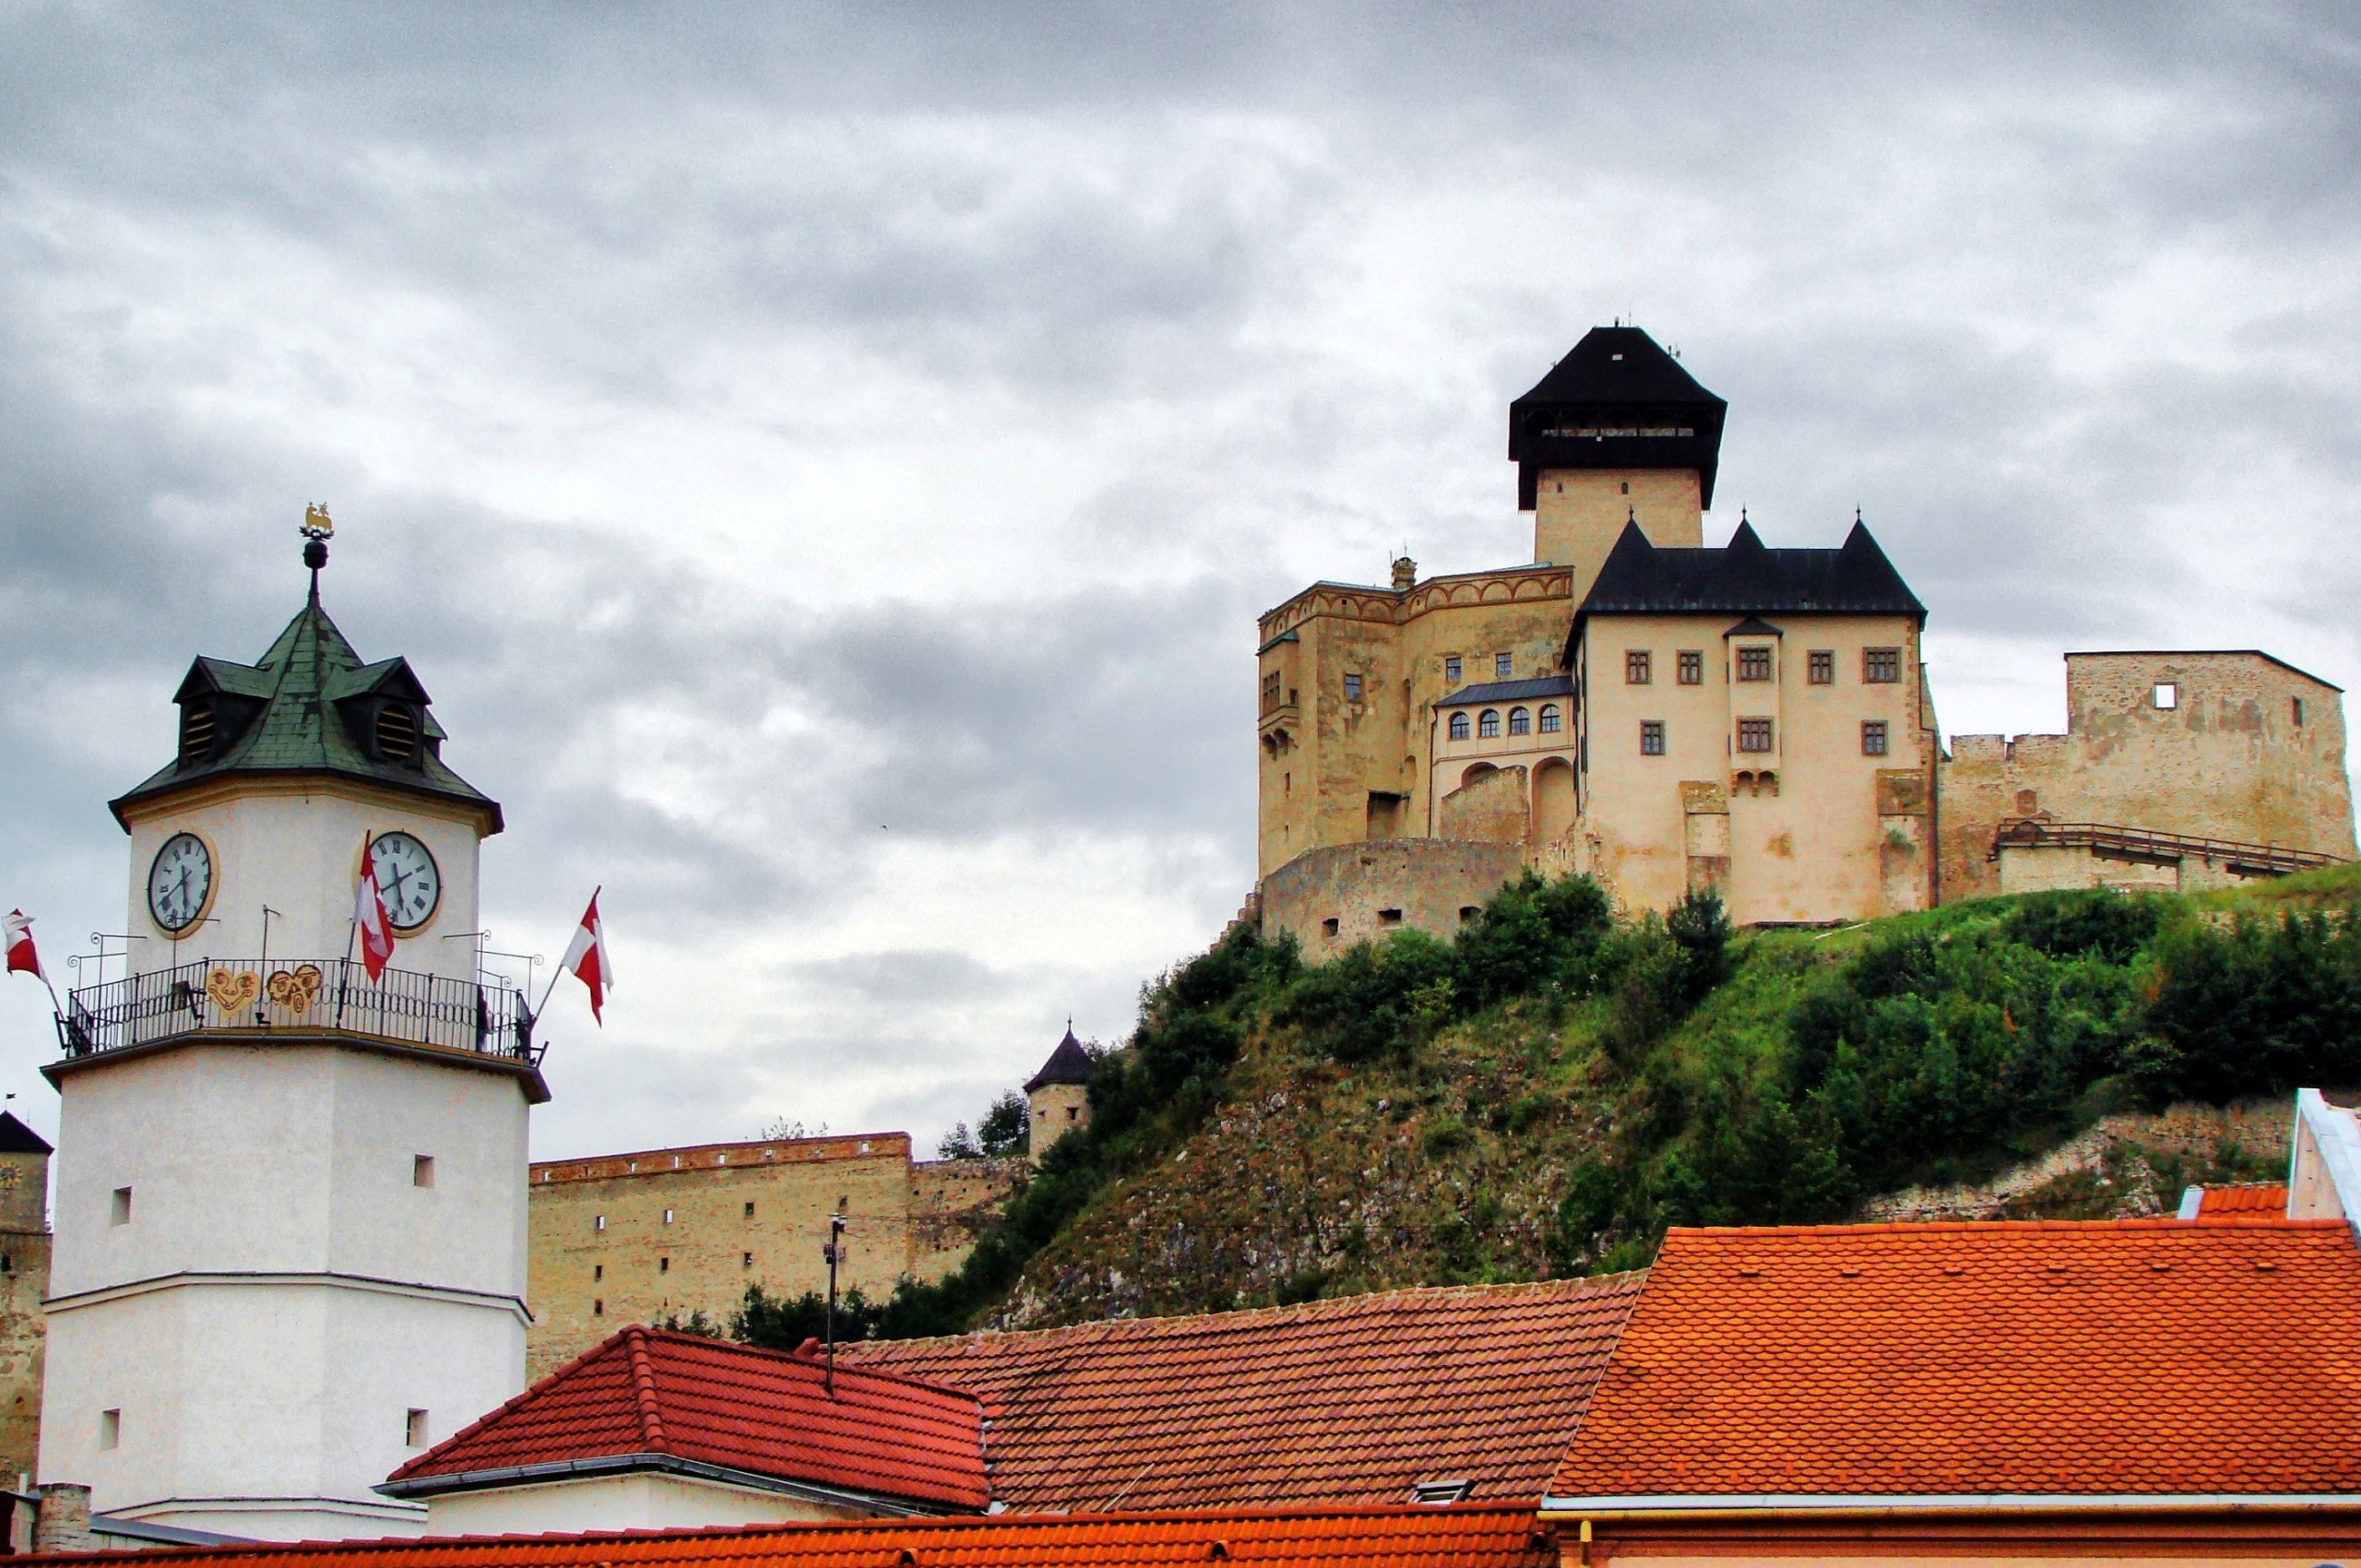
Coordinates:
column 290, row 1245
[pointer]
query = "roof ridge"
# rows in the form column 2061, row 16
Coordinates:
column 1599, row 1284
column 2139, row 1223
column 654, row 1335
column 643, row 1383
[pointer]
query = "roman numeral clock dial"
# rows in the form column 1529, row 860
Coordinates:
column 179, row 883
column 407, row 879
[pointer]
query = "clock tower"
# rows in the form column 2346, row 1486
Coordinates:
column 291, row 1195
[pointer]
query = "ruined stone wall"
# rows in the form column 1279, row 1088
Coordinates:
column 2250, row 751
column 625, row 1239
column 1333, row 898
column 24, row 1328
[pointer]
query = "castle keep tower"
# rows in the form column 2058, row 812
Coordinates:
column 1615, row 432
column 291, row 1238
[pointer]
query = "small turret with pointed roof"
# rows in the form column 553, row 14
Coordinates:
column 1068, row 1063
column 1057, row 1099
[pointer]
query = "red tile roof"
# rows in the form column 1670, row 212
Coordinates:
column 2038, row 1358
column 646, row 1392
column 2266, row 1199
column 1468, row 1536
column 1341, row 1401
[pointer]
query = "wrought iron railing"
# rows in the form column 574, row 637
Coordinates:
column 318, row 996
column 2107, row 838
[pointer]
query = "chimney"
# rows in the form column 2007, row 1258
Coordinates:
column 1406, row 574
column 63, row 1523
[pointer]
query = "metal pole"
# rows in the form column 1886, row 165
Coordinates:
column 834, row 1252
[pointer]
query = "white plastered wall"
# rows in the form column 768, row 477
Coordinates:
column 645, row 1501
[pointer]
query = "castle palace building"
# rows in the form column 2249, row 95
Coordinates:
column 1671, row 717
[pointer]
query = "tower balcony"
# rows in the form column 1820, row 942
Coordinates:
column 253, row 1002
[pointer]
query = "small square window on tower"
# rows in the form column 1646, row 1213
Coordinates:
column 668, row 1217
column 600, row 1223
column 1652, row 737
column 1881, row 666
column 109, row 1429
column 1873, row 737
column 414, row 1428
column 119, row 1207
column 1692, row 667
column 2167, row 694
column 750, row 1208
column 421, row 1170
column 1637, row 667
column 745, row 1260
column 598, row 1272
column 598, row 1309
column 663, row 1265
column 1821, row 665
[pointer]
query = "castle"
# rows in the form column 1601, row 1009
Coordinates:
column 1672, row 717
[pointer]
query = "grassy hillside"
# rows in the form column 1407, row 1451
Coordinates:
column 1545, row 1095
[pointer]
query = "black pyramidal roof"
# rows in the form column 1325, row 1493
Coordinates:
column 18, row 1138
column 309, row 706
column 1070, row 1064
column 1617, row 402
column 1747, row 577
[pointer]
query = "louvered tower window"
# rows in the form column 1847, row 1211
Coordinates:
column 396, row 732
column 197, row 731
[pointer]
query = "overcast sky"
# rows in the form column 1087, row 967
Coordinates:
column 825, row 463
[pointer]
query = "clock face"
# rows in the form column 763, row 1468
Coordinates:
column 407, row 879
column 180, row 882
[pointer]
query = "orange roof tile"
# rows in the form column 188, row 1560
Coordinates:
column 2037, row 1357
column 646, row 1392
column 1464, row 1536
column 2256, row 1201
column 1347, row 1401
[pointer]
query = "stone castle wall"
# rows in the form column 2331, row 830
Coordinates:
column 634, row 1237
column 1331, row 898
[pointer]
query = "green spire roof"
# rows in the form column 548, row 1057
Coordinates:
column 309, row 706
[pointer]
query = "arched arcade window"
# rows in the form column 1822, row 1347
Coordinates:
column 1549, row 722
column 1489, row 724
column 1459, row 725
column 1520, row 721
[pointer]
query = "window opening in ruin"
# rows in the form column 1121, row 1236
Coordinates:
column 1450, row 668
column 1754, row 734
column 599, row 1224
column 663, row 1265
column 1459, row 725
column 1550, row 721
column 2167, row 694
column 598, row 1272
column 1636, row 667
column 1692, row 667
column 8, row 1264
column 1873, row 737
column 109, row 1429
column 1820, row 664
column 2299, row 711
column 421, row 1170
column 598, row 1309
column 1488, row 723
column 668, row 1217
column 1468, row 912
column 1328, row 926
column 414, row 1428
column 1503, row 665
column 1352, row 688
column 1652, row 737
column 745, row 1260
column 1520, row 721
column 1754, row 664
column 1389, row 917
column 750, row 1210
column 1880, row 665
column 119, row 1210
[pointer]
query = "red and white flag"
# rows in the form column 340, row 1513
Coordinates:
column 586, row 959
column 16, row 936
column 370, row 922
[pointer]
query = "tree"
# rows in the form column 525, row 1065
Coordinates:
column 1003, row 1132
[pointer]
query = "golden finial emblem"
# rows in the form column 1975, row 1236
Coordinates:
column 316, row 523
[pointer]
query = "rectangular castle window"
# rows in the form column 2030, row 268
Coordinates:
column 1692, row 667
column 1352, row 688
column 109, row 1429
column 1652, row 737
column 1328, row 926
column 1754, row 734
column 663, row 1265
column 414, row 1428
column 2299, row 711
column 1637, row 670
column 1873, row 737
column 1389, row 917
column 119, row 1208
column 1451, row 669
column 1503, row 666
column 1820, row 664
column 750, row 1208
column 1270, row 691
column 598, row 1272
column 745, row 1260
column 1754, row 663
column 1881, row 666
column 421, row 1170
column 600, row 1223
column 668, row 1217
column 598, row 1309
column 2167, row 695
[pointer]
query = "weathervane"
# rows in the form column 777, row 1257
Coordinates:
column 317, row 529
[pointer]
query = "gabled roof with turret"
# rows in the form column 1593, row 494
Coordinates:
column 1617, row 400
column 298, row 709
column 1070, row 1064
column 1748, row 577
